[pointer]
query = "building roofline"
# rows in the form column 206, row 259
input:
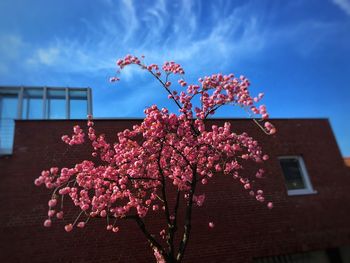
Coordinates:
column 140, row 119
column 40, row 87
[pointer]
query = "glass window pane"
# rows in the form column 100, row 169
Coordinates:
column 8, row 107
column 8, row 112
column 306, row 257
column 292, row 173
column 34, row 93
column 78, row 108
column 34, row 108
column 56, row 93
column 9, row 91
column 7, row 130
column 78, row 94
column 56, row 103
column 56, row 108
column 25, row 109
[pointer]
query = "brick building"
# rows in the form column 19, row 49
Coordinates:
column 307, row 181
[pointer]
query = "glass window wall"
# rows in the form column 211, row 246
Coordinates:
column 39, row 103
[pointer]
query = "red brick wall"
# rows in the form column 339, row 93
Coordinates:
column 244, row 228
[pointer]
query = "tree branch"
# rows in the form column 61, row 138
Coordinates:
column 173, row 227
column 188, row 219
column 167, row 89
column 165, row 202
column 150, row 238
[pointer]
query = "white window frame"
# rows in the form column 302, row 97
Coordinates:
column 304, row 174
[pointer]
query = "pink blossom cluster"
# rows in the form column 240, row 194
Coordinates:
column 169, row 67
column 129, row 176
column 129, row 59
column 77, row 137
column 199, row 199
column 172, row 67
column 270, row 128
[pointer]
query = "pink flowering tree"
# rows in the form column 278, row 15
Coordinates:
column 157, row 165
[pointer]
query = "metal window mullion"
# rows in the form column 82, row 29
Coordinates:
column 20, row 103
column 27, row 107
column 67, row 104
column 45, row 113
column 89, row 102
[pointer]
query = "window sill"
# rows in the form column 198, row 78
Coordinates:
column 301, row 192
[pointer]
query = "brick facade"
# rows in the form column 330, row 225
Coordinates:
column 245, row 229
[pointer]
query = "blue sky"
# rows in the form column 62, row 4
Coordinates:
column 296, row 52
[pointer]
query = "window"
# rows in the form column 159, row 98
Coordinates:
column 39, row 103
column 295, row 175
column 78, row 104
column 8, row 112
column 32, row 107
column 56, row 104
column 320, row 256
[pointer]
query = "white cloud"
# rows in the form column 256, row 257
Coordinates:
column 344, row 5
column 155, row 32
column 160, row 33
column 130, row 20
column 46, row 56
column 71, row 56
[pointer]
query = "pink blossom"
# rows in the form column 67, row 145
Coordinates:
column 51, row 213
column 211, row 225
column 37, row 182
column 47, row 223
column 68, row 227
column 52, row 203
column 64, row 191
column 59, row 215
column 260, row 198
column 270, row 128
column 245, row 156
column 270, row 205
column 199, row 200
column 85, row 207
column 113, row 79
column 247, row 186
column 54, row 170
column 81, row 224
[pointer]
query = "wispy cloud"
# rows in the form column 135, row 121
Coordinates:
column 156, row 32
column 46, row 56
column 344, row 5
column 183, row 31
